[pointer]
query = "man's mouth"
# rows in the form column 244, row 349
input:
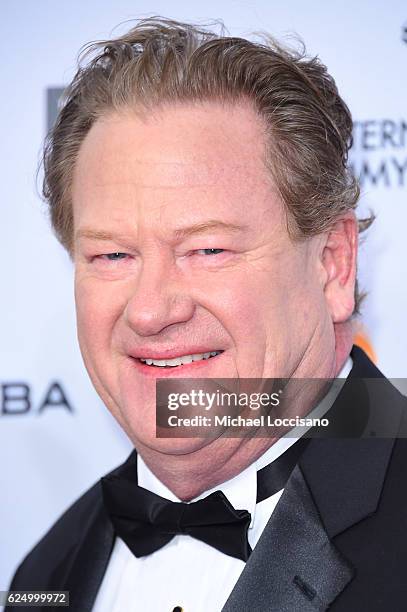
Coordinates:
column 178, row 361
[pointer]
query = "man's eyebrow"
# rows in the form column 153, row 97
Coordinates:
column 98, row 235
column 201, row 228
column 179, row 233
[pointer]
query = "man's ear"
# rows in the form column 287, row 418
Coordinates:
column 338, row 259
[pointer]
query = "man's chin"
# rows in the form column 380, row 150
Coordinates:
column 169, row 446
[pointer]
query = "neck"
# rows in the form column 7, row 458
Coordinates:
column 188, row 475
column 344, row 334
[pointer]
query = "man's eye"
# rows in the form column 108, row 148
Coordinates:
column 209, row 251
column 114, row 256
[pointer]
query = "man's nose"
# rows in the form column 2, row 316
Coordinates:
column 160, row 299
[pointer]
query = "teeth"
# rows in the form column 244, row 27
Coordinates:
column 177, row 361
column 200, row 356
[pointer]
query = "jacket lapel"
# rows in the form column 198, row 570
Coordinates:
column 82, row 570
column 294, row 566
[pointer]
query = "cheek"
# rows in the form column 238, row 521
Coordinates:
column 241, row 304
column 97, row 309
column 266, row 303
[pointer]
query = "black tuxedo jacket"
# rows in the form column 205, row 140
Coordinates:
column 337, row 538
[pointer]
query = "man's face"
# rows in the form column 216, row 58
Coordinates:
column 181, row 249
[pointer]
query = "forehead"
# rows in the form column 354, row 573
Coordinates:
column 192, row 158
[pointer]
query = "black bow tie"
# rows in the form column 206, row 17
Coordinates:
column 146, row 521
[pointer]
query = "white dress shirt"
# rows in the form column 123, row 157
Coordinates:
column 187, row 572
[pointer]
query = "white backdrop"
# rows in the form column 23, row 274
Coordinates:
column 56, row 438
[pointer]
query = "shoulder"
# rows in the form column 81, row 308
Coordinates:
column 50, row 557
column 363, row 367
column 63, row 536
column 384, row 396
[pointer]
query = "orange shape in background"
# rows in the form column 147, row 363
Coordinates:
column 362, row 340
